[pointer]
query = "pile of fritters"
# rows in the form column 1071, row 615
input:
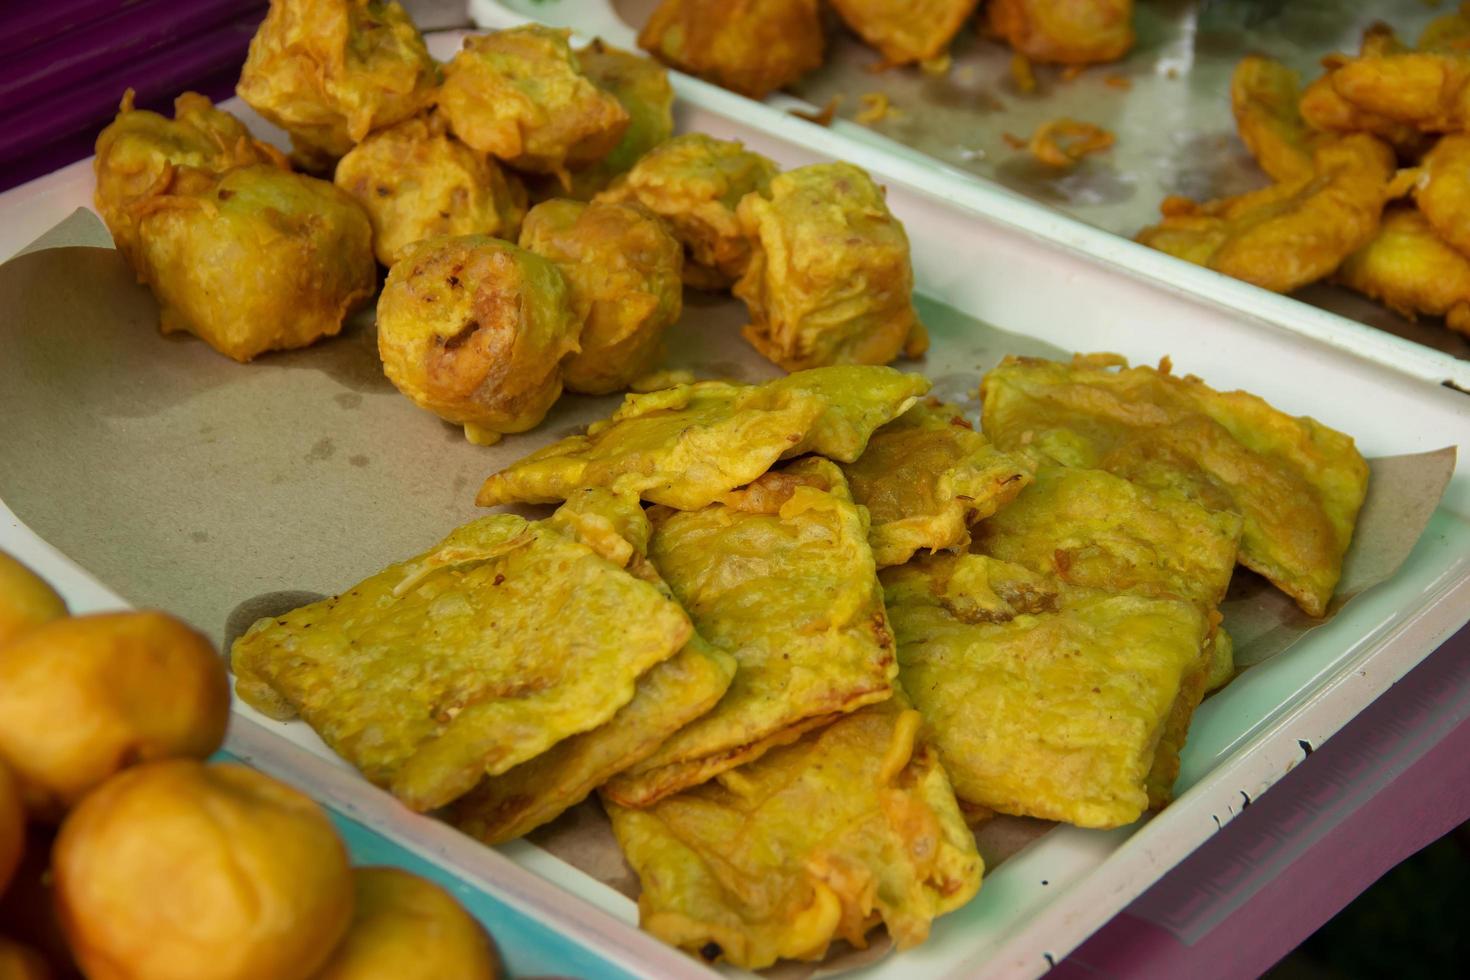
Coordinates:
column 755, row 47
column 793, row 633
column 1370, row 168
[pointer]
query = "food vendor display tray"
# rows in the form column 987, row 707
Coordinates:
column 947, row 134
column 172, row 477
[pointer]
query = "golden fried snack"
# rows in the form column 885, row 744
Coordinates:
column 520, row 95
column 1289, row 234
column 139, row 151
column 822, row 840
column 642, row 86
column 474, row 330
column 1073, row 32
column 331, row 71
column 906, row 32
column 992, row 654
column 694, row 182
column 669, row 696
column 687, row 445
column 1222, row 661
column 133, row 686
column 416, row 181
column 535, row 638
column 1090, row 529
column 749, row 46
column 26, row 601
column 259, row 260
column 408, row 928
column 1297, row 484
column 1064, row 142
column 1324, row 111
column 1448, row 32
column 780, row 574
column 829, row 279
column 182, row 871
column 20, row 962
column 926, row 477
column 1443, row 190
column 1264, row 97
column 1427, row 90
column 1412, row 270
column 12, row 826
column 622, row 269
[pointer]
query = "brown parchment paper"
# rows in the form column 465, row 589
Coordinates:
column 226, row 492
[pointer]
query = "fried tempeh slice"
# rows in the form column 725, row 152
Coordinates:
column 852, row 825
column 1297, row 484
column 926, row 477
column 687, row 445
column 481, row 653
column 1044, row 700
column 668, row 697
column 781, row 575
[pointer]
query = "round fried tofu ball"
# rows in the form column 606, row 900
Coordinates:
column 82, row 698
column 137, row 152
column 179, row 870
column 26, row 601
column 694, row 182
column 622, row 268
column 259, row 260
column 750, row 46
column 520, row 95
column 829, row 281
column 475, row 329
column 416, row 181
column 19, row 962
column 12, row 827
column 331, row 71
column 407, row 928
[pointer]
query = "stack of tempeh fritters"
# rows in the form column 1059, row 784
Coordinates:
column 793, row 632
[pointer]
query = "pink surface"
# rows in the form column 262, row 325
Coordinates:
column 1393, row 780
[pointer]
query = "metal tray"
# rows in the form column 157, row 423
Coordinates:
column 989, row 285
column 1174, row 128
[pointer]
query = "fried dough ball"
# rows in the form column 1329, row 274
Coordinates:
column 1412, row 270
column 1264, row 95
column 695, row 182
column 331, row 71
column 139, row 150
column 26, row 601
column 12, row 827
column 520, row 95
column 18, row 962
column 1068, row 32
column 749, row 46
column 642, row 86
column 475, row 329
column 906, row 32
column 829, row 280
column 407, row 928
column 622, row 269
column 183, row 870
column 1290, row 234
column 416, row 181
column 131, row 686
column 256, row 261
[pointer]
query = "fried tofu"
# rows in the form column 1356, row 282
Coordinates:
column 926, row 477
column 781, row 576
column 829, row 279
column 821, row 840
column 1297, row 484
column 1044, row 700
column 688, row 445
column 466, row 661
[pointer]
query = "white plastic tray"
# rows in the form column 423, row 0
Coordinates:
column 1045, row 900
column 878, row 153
